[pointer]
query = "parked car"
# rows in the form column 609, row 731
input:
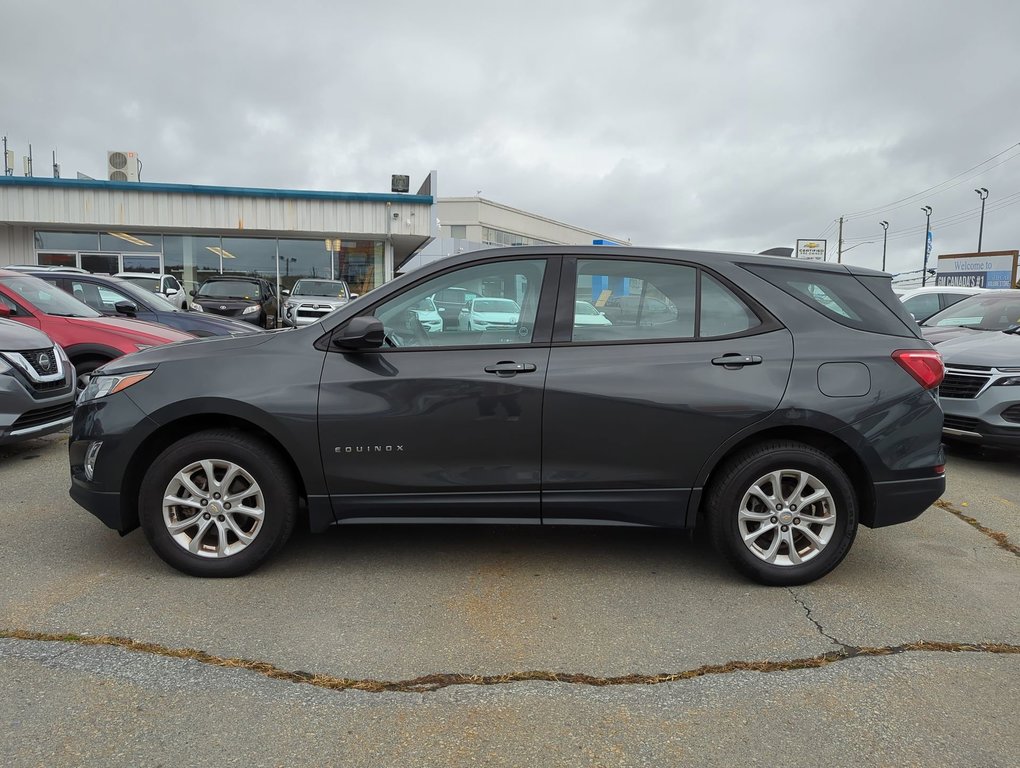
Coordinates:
column 635, row 310
column 312, row 299
column 114, row 297
column 980, row 394
column 490, row 314
column 449, row 303
column 983, row 312
column 163, row 285
column 427, row 313
column 922, row 303
column 88, row 338
column 32, row 268
column 36, row 384
column 585, row 313
column 251, row 299
column 780, row 431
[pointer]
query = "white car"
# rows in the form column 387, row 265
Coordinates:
column 165, row 285
column 312, row 299
column 428, row 315
column 490, row 315
column 922, row 303
column 585, row 313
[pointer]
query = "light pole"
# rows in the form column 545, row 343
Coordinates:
column 927, row 234
column 983, row 194
column 885, row 238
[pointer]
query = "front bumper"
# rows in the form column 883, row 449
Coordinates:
column 979, row 420
column 25, row 414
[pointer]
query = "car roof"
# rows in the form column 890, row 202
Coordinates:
column 142, row 274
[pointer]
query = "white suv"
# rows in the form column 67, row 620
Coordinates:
column 922, row 303
column 165, row 285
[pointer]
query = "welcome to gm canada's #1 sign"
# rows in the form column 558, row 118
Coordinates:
column 992, row 269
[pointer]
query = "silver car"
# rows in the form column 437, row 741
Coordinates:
column 980, row 394
column 36, row 384
column 312, row 299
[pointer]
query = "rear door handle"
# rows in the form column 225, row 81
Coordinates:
column 507, row 368
column 736, row 360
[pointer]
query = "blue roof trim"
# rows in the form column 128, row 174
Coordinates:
column 196, row 189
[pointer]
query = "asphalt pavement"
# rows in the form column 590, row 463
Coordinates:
column 508, row 646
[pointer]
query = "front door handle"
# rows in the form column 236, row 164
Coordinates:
column 734, row 360
column 507, row 368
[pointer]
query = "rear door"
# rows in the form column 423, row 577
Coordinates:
column 634, row 409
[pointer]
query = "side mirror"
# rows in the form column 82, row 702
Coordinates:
column 192, row 292
column 364, row 332
column 126, row 308
column 440, row 309
column 285, row 292
column 354, row 296
column 5, row 311
column 170, row 292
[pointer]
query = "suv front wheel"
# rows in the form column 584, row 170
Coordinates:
column 217, row 503
column 783, row 513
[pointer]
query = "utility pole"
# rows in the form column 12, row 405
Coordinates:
column 885, row 238
column 839, row 243
column 983, row 194
column 8, row 163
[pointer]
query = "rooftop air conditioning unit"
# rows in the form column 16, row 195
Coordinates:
column 122, row 166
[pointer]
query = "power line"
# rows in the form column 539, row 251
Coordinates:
column 912, row 198
column 951, row 220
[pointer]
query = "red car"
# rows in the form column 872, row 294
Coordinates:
column 88, row 338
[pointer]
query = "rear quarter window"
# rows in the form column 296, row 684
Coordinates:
column 866, row 304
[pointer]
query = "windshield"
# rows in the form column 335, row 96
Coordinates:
column 48, row 298
column 495, row 305
column 584, row 308
column 229, row 289
column 982, row 313
column 331, row 288
column 148, row 283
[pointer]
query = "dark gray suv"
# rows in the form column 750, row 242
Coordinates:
column 777, row 402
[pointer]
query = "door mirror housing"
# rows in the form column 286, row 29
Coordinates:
column 285, row 292
column 192, row 292
column 126, row 308
column 364, row 332
column 5, row 311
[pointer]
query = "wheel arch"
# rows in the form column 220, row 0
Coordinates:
column 172, row 431
column 91, row 351
column 839, row 450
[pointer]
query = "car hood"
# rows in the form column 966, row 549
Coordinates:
column 18, row 337
column 219, row 323
column 135, row 331
column 937, row 334
column 211, row 301
column 990, row 349
column 208, row 347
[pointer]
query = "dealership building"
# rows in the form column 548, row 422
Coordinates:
column 193, row 231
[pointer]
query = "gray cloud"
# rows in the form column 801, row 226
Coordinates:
column 726, row 125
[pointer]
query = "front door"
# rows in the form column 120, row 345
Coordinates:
column 442, row 422
column 638, row 399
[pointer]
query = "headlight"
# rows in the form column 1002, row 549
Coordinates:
column 253, row 308
column 101, row 386
column 197, row 307
column 1012, row 381
column 4, row 366
column 140, row 347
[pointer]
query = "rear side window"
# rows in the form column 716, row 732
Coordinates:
column 840, row 297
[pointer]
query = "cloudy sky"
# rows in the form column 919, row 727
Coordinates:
column 736, row 125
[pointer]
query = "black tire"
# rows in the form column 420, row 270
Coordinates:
column 83, row 370
column 737, row 478
column 255, row 457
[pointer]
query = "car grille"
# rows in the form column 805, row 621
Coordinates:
column 964, row 381
column 961, row 423
column 314, row 311
column 215, row 309
column 33, row 359
column 42, row 416
column 1012, row 413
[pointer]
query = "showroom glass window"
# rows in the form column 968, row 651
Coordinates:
column 359, row 263
column 252, row 256
column 484, row 305
column 191, row 259
column 303, row 258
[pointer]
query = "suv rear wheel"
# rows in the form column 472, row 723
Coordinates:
column 783, row 513
column 217, row 503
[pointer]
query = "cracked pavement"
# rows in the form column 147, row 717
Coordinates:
column 392, row 604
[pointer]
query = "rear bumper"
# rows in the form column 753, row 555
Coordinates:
column 900, row 501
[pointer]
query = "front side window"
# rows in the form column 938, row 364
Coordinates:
column 484, row 305
column 48, row 298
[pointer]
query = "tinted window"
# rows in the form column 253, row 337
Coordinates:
column 981, row 312
column 922, row 306
column 722, row 313
column 230, row 289
column 48, row 298
column 504, row 295
column 637, row 300
column 839, row 296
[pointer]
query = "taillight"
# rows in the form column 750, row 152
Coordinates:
column 924, row 365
